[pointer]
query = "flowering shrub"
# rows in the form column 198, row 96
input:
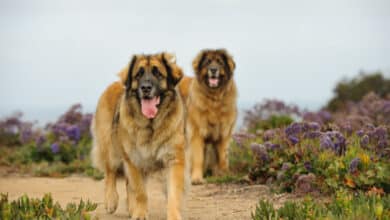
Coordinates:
column 66, row 140
column 370, row 110
column 342, row 206
column 357, row 87
column 270, row 114
column 15, row 131
column 319, row 154
column 60, row 148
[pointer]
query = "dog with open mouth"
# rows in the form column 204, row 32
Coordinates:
column 139, row 124
column 211, row 112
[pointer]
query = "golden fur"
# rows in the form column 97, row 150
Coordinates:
column 122, row 135
column 211, row 112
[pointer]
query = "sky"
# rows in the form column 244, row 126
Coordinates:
column 57, row 53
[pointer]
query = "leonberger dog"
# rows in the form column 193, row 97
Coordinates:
column 211, row 112
column 139, row 124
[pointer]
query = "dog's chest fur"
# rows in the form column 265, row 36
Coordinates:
column 146, row 154
column 211, row 116
column 150, row 144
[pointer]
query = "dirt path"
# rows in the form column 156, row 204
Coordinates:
column 204, row 202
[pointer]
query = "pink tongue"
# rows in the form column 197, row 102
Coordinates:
column 149, row 107
column 213, row 82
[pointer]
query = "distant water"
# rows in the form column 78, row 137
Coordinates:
column 43, row 115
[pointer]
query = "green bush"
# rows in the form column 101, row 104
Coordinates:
column 354, row 89
column 45, row 208
column 343, row 206
column 274, row 121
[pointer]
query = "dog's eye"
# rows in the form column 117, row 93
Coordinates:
column 140, row 72
column 156, row 72
column 207, row 62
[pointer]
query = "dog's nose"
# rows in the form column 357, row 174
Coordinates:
column 213, row 70
column 146, row 88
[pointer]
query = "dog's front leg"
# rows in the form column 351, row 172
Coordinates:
column 111, row 195
column 222, row 155
column 176, row 184
column 136, row 192
column 197, row 147
column 222, row 147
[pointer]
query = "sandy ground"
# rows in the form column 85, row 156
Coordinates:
column 208, row 201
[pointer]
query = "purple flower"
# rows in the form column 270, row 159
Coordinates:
column 285, row 166
column 86, row 123
column 339, row 142
column 325, row 115
column 40, row 140
column 314, row 126
column 268, row 135
column 267, row 109
column 55, row 148
column 360, row 133
column 320, row 117
column 308, row 166
column 333, row 140
column 59, row 128
column 386, row 107
column 26, row 136
column 380, row 133
column 275, row 146
column 369, row 127
column 267, row 145
column 293, row 129
column 260, row 152
column 270, row 146
column 305, row 183
column 312, row 134
column 294, row 140
column 72, row 116
column 240, row 138
column 353, row 166
column 364, row 141
column 73, row 132
column 26, row 132
column 347, row 127
column 382, row 144
column 305, row 127
column 326, row 142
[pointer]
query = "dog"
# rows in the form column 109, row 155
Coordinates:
column 139, row 124
column 211, row 107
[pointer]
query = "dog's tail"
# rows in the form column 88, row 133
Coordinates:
column 96, row 154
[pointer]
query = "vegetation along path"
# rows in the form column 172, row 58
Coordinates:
column 210, row 201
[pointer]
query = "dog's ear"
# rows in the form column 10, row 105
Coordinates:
column 228, row 60
column 199, row 59
column 125, row 73
column 174, row 72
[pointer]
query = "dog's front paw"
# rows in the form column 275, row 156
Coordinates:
column 138, row 217
column 139, row 213
column 217, row 171
column 111, row 202
column 197, row 181
column 173, row 215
